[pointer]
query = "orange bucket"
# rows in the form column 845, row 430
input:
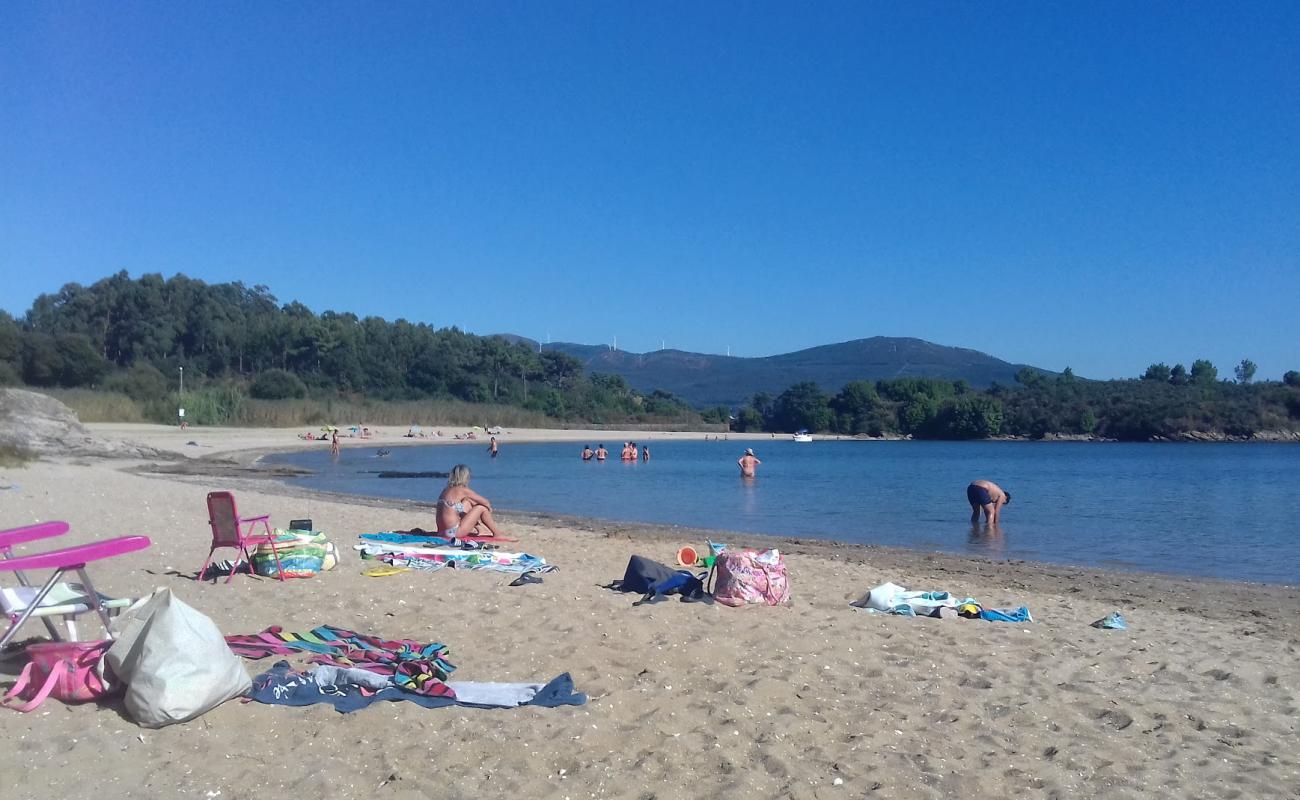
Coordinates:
column 687, row 556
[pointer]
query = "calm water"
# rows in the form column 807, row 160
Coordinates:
column 1200, row 509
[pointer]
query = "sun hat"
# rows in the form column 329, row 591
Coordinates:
column 749, row 451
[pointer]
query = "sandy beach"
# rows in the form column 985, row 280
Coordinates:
column 1197, row 699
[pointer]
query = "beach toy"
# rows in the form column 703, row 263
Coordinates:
column 384, row 572
column 687, row 556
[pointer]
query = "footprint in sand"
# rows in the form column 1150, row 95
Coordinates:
column 1115, row 718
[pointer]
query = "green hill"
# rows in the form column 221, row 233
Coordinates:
column 711, row 380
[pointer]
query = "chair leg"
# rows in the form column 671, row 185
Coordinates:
column 31, row 607
column 275, row 552
column 91, row 594
column 204, row 569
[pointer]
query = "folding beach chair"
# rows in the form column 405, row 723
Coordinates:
column 231, row 530
column 55, row 598
column 20, row 535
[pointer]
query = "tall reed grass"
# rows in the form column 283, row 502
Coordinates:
column 229, row 406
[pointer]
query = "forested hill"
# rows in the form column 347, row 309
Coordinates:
column 711, row 380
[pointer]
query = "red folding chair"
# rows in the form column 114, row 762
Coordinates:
column 231, row 530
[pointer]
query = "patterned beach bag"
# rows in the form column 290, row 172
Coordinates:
column 302, row 555
column 748, row 577
column 72, row 672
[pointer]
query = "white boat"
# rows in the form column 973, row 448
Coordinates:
column 803, row 437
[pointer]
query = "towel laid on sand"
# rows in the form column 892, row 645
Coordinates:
column 282, row 685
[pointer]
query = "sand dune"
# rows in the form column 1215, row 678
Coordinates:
column 1197, row 699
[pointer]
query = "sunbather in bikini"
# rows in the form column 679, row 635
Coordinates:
column 462, row 511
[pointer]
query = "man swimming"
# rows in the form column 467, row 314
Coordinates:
column 989, row 497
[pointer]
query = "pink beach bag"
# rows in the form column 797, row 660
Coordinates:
column 72, row 672
column 743, row 579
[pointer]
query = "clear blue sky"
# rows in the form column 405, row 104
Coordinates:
column 1099, row 185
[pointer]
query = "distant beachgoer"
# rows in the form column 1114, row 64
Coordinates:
column 334, row 444
column 601, row 453
column 588, row 453
column 493, row 448
column 461, row 511
column 989, row 497
column 645, row 452
column 629, row 454
column 749, row 463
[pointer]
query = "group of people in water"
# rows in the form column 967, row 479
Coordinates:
column 463, row 512
column 630, row 452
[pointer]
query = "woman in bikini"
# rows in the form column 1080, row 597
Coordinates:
column 462, row 511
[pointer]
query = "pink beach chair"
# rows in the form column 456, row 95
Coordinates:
column 15, row 536
column 231, row 530
column 69, row 600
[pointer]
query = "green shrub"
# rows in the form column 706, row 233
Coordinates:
column 277, row 384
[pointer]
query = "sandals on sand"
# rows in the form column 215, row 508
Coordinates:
column 526, row 578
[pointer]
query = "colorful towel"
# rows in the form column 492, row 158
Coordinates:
column 434, row 558
column 281, row 685
column 419, row 668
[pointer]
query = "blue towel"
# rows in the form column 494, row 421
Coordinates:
column 1006, row 614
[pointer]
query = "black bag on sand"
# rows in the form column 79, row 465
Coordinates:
column 654, row 580
column 641, row 574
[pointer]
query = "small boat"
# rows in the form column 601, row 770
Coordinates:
column 803, row 436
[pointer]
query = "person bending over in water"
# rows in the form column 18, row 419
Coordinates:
column 988, row 496
column 462, row 511
column 748, row 464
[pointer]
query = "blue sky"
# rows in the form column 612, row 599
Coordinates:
column 1098, row 185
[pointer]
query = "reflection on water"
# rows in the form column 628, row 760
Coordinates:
column 1165, row 507
column 986, row 540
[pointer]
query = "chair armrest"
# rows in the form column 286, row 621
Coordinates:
column 262, row 518
column 30, row 533
column 73, row 557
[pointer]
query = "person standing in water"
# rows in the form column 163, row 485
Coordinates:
column 335, row 447
column 748, row 464
column 988, row 497
column 645, row 452
column 588, row 453
column 492, row 447
column 462, row 511
column 601, row 453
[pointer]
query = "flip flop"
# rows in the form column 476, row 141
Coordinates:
column 526, row 578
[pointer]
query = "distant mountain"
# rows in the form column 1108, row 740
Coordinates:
column 710, row 380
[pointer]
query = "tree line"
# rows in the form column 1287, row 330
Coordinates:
column 1165, row 402
column 134, row 336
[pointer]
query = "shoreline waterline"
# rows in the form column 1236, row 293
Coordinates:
column 261, row 476
column 1218, row 513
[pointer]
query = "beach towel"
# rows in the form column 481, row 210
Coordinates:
column 435, row 558
column 282, row 685
column 415, row 667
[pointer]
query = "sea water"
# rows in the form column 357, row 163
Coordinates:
column 1218, row 510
